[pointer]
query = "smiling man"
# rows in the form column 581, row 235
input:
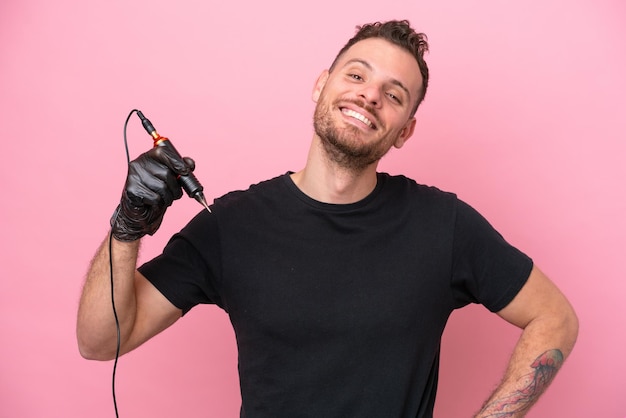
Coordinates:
column 365, row 103
column 338, row 279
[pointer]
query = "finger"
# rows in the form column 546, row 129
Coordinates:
column 190, row 163
column 141, row 195
column 170, row 158
column 153, row 182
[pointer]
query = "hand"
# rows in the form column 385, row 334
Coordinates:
column 151, row 187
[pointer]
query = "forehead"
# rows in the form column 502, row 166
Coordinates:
column 386, row 59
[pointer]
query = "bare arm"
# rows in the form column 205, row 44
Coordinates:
column 142, row 310
column 151, row 187
column 550, row 331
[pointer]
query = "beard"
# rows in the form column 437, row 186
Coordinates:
column 343, row 144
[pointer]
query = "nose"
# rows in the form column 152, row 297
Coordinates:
column 371, row 94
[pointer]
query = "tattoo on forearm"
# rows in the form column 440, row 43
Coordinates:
column 533, row 385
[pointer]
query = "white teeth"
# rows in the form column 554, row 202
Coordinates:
column 358, row 116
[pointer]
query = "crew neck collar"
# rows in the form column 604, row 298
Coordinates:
column 380, row 181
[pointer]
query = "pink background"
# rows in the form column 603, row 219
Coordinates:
column 525, row 119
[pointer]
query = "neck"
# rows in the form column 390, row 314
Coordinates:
column 326, row 181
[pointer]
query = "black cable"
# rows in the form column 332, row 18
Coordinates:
column 125, row 140
column 117, row 322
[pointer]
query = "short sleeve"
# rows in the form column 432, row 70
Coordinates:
column 486, row 268
column 185, row 272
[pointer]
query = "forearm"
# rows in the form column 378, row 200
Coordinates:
column 537, row 358
column 96, row 329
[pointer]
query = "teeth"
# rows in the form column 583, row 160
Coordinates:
column 358, row 116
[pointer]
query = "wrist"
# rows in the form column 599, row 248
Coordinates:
column 124, row 229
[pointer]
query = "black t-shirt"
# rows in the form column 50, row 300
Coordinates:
column 338, row 310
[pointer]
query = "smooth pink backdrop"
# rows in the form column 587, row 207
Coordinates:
column 525, row 119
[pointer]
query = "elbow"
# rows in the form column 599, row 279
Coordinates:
column 571, row 325
column 565, row 327
column 90, row 354
column 95, row 350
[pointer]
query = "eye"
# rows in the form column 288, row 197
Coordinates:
column 355, row 77
column 394, row 98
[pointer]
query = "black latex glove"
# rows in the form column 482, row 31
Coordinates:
column 151, row 187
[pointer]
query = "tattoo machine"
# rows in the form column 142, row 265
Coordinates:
column 189, row 182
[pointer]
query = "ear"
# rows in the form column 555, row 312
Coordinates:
column 405, row 133
column 319, row 85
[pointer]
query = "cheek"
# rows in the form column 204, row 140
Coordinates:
column 394, row 135
column 394, row 123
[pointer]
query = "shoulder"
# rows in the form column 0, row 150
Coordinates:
column 238, row 208
column 401, row 185
column 261, row 190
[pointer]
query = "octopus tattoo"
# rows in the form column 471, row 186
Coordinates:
column 544, row 369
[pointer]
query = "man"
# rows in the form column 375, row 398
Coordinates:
column 338, row 280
